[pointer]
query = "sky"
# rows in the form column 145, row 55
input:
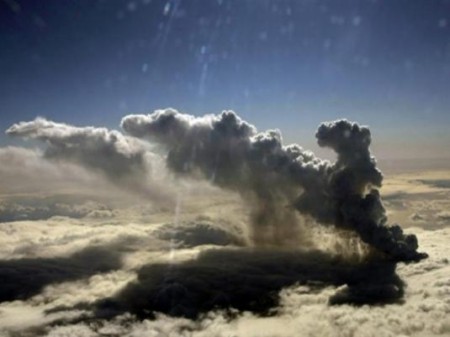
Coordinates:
column 279, row 64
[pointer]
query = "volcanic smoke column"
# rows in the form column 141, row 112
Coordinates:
column 233, row 155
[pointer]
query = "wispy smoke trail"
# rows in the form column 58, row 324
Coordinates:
column 123, row 160
column 100, row 149
column 273, row 177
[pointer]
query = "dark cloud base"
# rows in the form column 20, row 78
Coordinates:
column 249, row 280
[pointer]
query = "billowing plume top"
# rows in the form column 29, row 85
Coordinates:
column 213, row 145
column 343, row 136
column 351, row 143
column 271, row 176
column 171, row 126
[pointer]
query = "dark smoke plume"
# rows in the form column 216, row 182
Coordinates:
column 273, row 177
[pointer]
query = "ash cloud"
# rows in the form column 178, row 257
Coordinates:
column 282, row 185
column 275, row 179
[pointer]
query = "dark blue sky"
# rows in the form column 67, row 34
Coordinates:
column 285, row 64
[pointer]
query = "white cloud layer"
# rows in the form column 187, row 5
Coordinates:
column 301, row 309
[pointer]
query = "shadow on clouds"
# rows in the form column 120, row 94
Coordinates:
column 21, row 279
column 249, row 280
